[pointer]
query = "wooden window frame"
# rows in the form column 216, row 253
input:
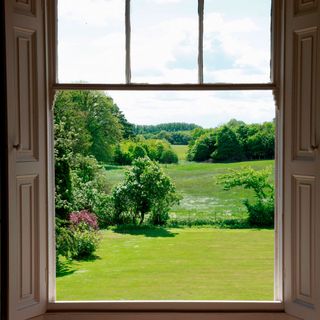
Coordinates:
column 275, row 86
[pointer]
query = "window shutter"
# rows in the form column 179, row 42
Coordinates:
column 302, row 159
column 27, row 182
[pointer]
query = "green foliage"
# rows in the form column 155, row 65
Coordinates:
column 227, row 146
column 86, row 241
column 174, row 138
column 65, row 243
column 156, row 150
column 168, row 156
column 146, row 189
column 233, row 141
column 261, row 213
column 87, row 126
column 168, row 127
column 91, row 189
column 202, row 147
column 93, row 118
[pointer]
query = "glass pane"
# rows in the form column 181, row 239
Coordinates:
column 216, row 243
column 164, row 41
column 91, row 41
column 237, row 41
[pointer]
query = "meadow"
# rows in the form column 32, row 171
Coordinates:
column 201, row 262
column 204, row 202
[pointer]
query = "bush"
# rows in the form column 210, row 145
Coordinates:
column 65, row 244
column 168, row 156
column 157, row 150
column 86, row 241
column 146, row 189
column 261, row 213
column 84, row 216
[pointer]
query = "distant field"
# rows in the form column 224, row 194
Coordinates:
column 203, row 200
column 181, row 151
column 174, row 264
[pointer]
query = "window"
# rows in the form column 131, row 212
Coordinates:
column 202, row 52
column 27, row 161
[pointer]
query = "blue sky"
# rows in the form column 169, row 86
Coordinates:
column 91, row 47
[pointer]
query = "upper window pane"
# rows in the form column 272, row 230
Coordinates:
column 237, row 41
column 164, row 41
column 91, row 41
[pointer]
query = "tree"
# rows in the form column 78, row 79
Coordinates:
column 95, row 119
column 261, row 213
column 146, row 189
column 227, row 146
column 202, row 147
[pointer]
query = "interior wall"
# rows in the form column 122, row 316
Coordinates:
column 3, row 171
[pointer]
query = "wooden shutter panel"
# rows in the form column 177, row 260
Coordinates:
column 302, row 158
column 27, row 183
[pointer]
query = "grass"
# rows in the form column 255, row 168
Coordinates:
column 204, row 201
column 181, row 151
column 174, row 264
column 198, row 263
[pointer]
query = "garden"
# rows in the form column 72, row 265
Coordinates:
column 160, row 212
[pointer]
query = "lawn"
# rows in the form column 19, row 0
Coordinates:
column 174, row 264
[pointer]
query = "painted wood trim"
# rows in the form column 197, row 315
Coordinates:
column 172, row 87
column 166, row 316
column 167, row 306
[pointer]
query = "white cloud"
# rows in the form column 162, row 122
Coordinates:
column 92, row 49
column 97, row 13
column 207, row 109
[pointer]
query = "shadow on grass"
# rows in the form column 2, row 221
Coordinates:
column 153, row 232
column 113, row 167
column 64, row 269
column 92, row 257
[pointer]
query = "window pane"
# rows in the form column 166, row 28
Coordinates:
column 164, row 41
column 216, row 243
column 237, row 41
column 91, row 41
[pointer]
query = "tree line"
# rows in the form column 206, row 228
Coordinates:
column 234, row 141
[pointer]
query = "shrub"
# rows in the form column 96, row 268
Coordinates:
column 146, row 189
column 168, row 156
column 84, row 216
column 261, row 213
column 86, row 240
column 156, row 150
column 65, row 244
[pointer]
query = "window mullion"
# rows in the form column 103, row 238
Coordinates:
column 200, row 48
column 128, row 41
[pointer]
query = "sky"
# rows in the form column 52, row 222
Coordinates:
column 164, row 49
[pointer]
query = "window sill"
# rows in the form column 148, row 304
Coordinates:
column 165, row 315
column 167, row 306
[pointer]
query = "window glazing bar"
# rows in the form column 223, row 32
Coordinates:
column 164, row 87
column 200, row 48
column 128, row 41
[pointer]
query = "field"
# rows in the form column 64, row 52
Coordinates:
column 204, row 201
column 174, row 264
column 198, row 263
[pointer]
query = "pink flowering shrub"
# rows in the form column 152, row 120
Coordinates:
column 84, row 216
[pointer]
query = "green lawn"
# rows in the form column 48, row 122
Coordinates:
column 174, row 264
